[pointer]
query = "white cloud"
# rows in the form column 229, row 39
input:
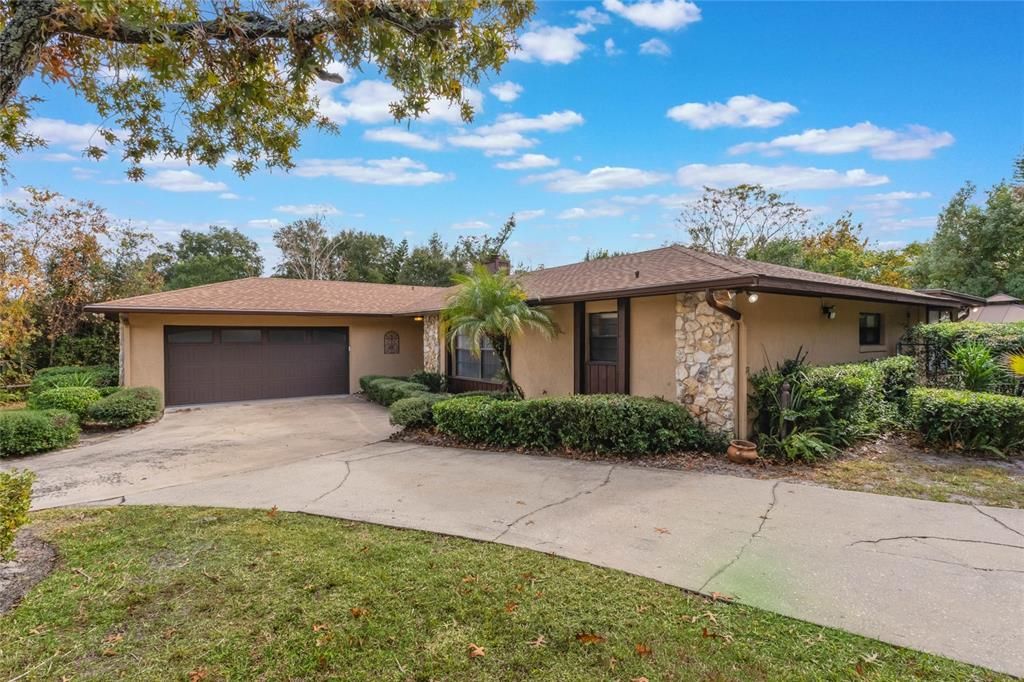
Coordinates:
column 643, row 235
column 528, row 161
column 265, row 223
column 667, row 200
column 308, row 209
column 899, row 196
column 57, row 131
column 899, row 224
column 61, row 157
column 776, row 177
column 656, row 47
column 369, row 101
column 915, row 142
column 183, row 181
column 591, row 15
column 741, row 111
column 610, row 49
column 523, row 216
column 555, row 122
column 403, row 137
column 492, row 144
column 580, row 213
column 229, row 196
column 663, row 15
column 552, row 44
column 394, row 171
column 597, row 180
column 470, row 225
column 507, row 91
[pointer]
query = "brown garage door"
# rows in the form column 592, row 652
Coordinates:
column 217, row 364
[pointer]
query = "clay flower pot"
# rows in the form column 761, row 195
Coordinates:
column 742, row 452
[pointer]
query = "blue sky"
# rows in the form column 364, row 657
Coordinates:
column 613, row 115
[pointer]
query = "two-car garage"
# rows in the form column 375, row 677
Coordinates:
column 217, row 364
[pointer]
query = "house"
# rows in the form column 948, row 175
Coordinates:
column 998, row 308
column 670, row 322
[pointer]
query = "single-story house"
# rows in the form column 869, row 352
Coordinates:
column 998, row 308
column 671, row 322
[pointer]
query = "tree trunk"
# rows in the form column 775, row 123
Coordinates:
column 501, row 347
column 21, row 42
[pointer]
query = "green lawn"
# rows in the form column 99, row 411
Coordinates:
column 210, row 594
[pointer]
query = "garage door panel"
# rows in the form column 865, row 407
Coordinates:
column 217, row 364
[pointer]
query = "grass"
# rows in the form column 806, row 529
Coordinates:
column 209, row 594
column 892, row 473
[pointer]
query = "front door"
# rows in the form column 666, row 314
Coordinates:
column 603, row 349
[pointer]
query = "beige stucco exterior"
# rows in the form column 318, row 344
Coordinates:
column 543, row 366
column 143, row 339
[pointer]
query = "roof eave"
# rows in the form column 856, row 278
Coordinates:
column 778, row 285
column 104, row 309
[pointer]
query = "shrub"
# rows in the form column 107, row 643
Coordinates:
column 975, row 366
column 75, row 399
column 367, row 379
column 968, row 420
column 60, row 377
column 493, row 395
column 127, row 407
column 15, row 499
column 23, row 432
column 626, row 425
column 417, row 411
column 386, row 390
column 434, row 381
column 9, row 397
column 108, row 390
column 933, row 343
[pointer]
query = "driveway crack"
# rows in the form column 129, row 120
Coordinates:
column 999, row 521
column 756, row 533
column 570, row 498
column 934, row 537
column 348, row 472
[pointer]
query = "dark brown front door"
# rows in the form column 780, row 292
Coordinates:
column 604, row 352
column 218, row 364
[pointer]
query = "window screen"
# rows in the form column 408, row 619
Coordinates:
column 604, row 337
column 870, row 329
column 469, row 366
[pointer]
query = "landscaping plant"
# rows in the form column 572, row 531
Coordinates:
column 15, row 500
column 127, row 407
column 969, row 420
column 975, row 366
column 417, row 411
column 24, row 432
column 75, row 399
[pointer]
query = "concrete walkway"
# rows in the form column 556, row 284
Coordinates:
column 943, row 578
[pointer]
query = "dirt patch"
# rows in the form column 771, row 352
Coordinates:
column 35, row 560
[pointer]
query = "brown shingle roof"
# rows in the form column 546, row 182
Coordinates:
column 665, row 270
column 278, row 296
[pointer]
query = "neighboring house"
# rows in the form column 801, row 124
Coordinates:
column 670, row 322
column 998, row 308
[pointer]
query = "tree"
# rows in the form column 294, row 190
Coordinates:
column 733, row 221
column 217, row 255
column 492, row 306
column 367, row 257
column 597, row 254
column 428, row 265
column 307, row 251
column 978, row 249
column 205, row 81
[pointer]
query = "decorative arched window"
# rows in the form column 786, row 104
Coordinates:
column 391, row 343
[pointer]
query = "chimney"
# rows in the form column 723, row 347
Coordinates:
column 497, row 264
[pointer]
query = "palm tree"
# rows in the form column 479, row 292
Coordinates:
column 492, row 305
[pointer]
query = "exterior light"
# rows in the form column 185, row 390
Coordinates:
column 975, row 309
column 418, row 318
column 829, row 311
column 752, row 296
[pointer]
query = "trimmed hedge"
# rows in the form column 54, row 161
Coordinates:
column 434, row 381
column 626, row 425
column 15, row 499
column 67, row 376
column 127, row 407
column 386, row 390
column 23, row 432
column 968, row 420
column 417, row 411
column 934, row 343
column 75, row 399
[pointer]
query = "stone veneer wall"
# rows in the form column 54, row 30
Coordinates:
column 705, row 362
column 431, row 343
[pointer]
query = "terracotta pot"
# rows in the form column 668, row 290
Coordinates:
column 742, row 452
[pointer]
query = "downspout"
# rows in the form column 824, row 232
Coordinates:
column 709, row 296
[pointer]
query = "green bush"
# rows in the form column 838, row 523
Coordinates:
column 108, row 390
column 127, row 407
column 493, row 395
column 626, row 425
column 968, row 420
column 76, row 399
column 15, row 499
column 23, row 432
column 367, row 379
column 975, row 366
column 417, row 411
column 434, row 381
column 65, row 376
column 934, row 344
column 9, row 397
column 386, row 390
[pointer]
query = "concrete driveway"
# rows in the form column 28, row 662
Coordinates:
column 943, row 578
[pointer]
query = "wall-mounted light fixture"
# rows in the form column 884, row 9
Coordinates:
column 975, row 309
column 418, row 318
column 752, row 296
column 829, row 311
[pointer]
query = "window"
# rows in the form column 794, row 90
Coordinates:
column 190, row 336
column 469, row 366
column 604, row 337
column 328, row 336
column 870, row 329
column 286, row 335
column 241, row 336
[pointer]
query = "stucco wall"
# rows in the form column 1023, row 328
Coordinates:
column 652, row 348
column 543, row 366
column 144, row 352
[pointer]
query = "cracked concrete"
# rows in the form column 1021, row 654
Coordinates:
column 943, row 578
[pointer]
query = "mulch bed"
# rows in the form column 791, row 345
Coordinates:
column 35, row 560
